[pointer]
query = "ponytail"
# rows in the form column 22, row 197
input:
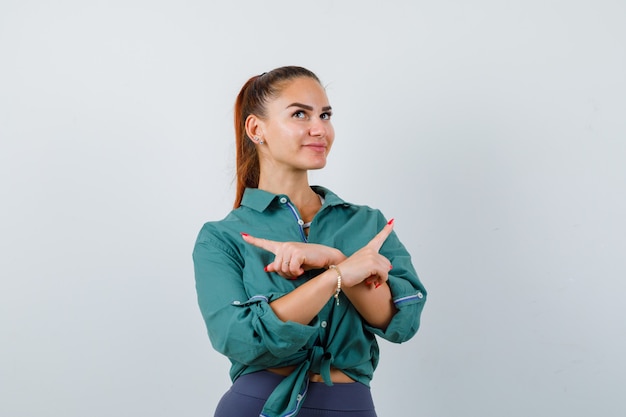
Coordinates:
column 247, row 157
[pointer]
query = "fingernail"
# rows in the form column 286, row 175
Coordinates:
column 390, row 267
column 378, row 284
column 265, row 268
column 390, row 221
column 244, row 234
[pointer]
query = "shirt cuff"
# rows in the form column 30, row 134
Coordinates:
column 410, row 303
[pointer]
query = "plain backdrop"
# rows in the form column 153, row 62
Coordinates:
column 494, row 132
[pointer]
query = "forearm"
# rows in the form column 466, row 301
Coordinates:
column 305, row 302
column 375, row 305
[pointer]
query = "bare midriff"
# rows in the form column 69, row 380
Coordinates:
column 336, row 375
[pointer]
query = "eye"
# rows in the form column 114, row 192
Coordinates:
column 326, row 116
column 300, row 114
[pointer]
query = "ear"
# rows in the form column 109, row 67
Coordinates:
column 254, row 127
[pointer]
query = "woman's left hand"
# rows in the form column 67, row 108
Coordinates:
column 293, row 258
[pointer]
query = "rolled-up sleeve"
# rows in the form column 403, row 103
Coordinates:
column 241, row 326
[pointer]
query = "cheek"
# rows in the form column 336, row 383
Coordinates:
column 330, row 136
column 292, row 131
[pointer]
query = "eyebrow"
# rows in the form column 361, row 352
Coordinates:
column 307, row 107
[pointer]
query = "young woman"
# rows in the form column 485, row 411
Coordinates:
column 295, row 283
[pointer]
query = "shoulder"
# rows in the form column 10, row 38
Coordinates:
column 224, row 228
column 223, row 234
column 332, row 199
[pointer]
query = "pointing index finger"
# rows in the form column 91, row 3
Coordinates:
column 268, row 245
column 378, row 240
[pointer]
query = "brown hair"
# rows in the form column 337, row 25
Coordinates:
column 252, row 98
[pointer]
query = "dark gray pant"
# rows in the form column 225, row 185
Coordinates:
column 246, row 397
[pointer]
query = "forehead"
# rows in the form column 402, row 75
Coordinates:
column 303, row 90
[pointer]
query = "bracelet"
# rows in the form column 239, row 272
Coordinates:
column 338, row 290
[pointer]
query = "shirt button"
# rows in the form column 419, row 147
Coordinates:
column 420, row 295
column 283, row 200
column 236, row 303
column 324, row 324
column 300, row 222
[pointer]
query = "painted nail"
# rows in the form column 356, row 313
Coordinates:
column 390, row 221
column 244, row 234
column 378, row 284
column 265, row 268
column 390, row 267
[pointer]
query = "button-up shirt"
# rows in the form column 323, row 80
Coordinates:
column 234, row 293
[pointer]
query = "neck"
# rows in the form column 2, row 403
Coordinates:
column 297, row 188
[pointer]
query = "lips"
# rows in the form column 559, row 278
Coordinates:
column 320, row 147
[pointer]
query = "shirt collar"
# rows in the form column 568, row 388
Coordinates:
column 260, row 200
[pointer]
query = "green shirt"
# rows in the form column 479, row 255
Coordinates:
column 234, row 293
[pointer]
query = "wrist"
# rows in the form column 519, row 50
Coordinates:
column 338, row 258
column 338, row 287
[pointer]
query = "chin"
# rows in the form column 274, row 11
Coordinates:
column 318, row 165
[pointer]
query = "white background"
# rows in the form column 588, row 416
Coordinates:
column 493, row 131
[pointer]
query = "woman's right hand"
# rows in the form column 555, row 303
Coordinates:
column 293, row 258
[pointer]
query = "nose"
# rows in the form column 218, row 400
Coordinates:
column 318, row 128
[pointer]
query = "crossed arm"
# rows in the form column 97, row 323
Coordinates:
column 363, row 278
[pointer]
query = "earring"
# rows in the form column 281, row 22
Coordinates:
column 259, row 140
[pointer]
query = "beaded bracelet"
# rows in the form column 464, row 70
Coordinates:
column 338, row 290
